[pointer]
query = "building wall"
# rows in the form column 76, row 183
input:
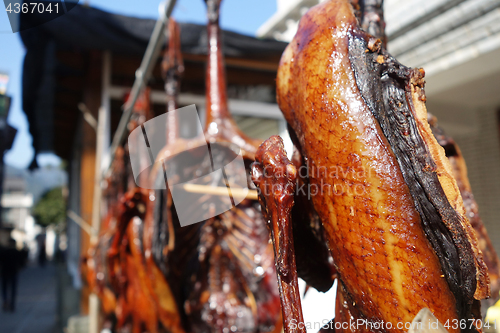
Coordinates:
column 73, row 230
column 434, row 34
column 258, row 128
column 482, row 153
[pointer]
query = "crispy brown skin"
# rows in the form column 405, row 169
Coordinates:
column 385, row 262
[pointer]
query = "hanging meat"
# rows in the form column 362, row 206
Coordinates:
column 164, row 262
column 378, row 180
column 220, row 271
column 371, row 17
column 96, row 271
column 127, row 274
column 115, row 269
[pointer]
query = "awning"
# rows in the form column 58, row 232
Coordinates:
column 84, row 29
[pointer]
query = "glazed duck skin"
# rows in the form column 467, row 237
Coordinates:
column 399, row 237
column 388, row 88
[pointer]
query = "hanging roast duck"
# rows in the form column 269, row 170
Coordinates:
column 378, row 180
column 370, row 16
column 220, row 271
column 115, row 273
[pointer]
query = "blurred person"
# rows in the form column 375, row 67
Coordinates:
column 11, row 261
column 42, row 253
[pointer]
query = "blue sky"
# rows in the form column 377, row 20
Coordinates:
column 244, row 16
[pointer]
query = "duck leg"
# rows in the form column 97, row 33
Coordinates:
column 276, row 177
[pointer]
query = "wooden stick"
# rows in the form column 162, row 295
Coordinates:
column 222, row 191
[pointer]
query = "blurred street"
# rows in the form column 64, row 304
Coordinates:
column 36, row 303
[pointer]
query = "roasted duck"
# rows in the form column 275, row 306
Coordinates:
column 115, row 269
column 136, row 309
column 95, row 271
column 103, row 269
column 371, row 17
column 220, row 271
column 135, row 306
column 96, row 268
column 236, row 268
column 378, row 180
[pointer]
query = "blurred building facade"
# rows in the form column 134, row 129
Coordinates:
column 457, row 42
column 21, row 190
column 17, row 204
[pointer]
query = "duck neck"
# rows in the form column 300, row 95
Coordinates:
column 173, row 68
column 216, row 96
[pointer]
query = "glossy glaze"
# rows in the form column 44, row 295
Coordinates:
column 384, row 260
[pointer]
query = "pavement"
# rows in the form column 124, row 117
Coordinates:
column 36, row 307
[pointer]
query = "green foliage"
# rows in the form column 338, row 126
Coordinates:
column 51, row 208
